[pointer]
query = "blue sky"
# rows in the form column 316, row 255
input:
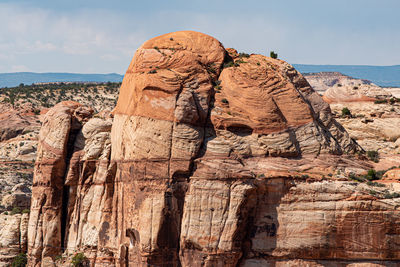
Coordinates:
column 102, row 36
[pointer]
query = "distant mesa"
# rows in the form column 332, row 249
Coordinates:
column 386, row 76
column 337, row 87
column 16, row 78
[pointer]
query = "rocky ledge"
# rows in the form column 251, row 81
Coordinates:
column 213, row 158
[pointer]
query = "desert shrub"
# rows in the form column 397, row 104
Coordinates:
column 373, row 192
column 19, row 261
column 380, row 101
column 371, row 175
column 375, row 184
column 244, row 55
column 25, row 211
column 273, row 54
column 79, row 260
column 225, row 101
column 346, row 112
column 373, row 155
column 354, row 177
column 228, row 64
column 15, row 210
column 391, row 195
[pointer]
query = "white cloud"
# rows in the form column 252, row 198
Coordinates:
column 19, row 68
column 30, row 32
column 101, row 40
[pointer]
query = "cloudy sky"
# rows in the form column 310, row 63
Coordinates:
column 99, row 36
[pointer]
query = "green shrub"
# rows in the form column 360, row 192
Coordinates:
column 244, row 55
column 375, row 184
column 391, row 195
column 371, row 175
column 273, row 54
column 19, row 261
column 346, row 112
column 15, row 210
column 373, row 192
column 25, row 211
column 225, row 101
column 373, row 155
column 79, row 260
column 354, row 177
column 380, row 101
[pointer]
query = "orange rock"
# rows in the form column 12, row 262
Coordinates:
column 393, row 174
column 257, row 94
column 167, row 66
column 205, row 173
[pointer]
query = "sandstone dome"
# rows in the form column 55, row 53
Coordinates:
column 188, row 85
column 215, row 158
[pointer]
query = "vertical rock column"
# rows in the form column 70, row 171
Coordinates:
column 157, row 131
column 56, row 135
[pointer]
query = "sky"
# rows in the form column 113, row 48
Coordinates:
column 99, row 36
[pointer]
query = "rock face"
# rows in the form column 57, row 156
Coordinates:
column 375, row 112
column 13, row 236
column 337, row 87
column 214, row 159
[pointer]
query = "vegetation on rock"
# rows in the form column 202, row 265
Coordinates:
column 79, row 260
column 19, row 261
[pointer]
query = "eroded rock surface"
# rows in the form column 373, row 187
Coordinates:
column 375, row 111
column 214, row 159
column 337, row 87
column 13, row 236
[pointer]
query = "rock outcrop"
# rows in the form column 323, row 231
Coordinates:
column 375, row 111
column 337, row 87
column 214, row 159
column 13, row 236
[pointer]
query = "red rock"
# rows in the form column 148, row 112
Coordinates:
column 188, row 179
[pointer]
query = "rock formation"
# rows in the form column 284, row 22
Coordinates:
column 13, row 236
column 337, row 87
column 214, row 159
column 375, row 118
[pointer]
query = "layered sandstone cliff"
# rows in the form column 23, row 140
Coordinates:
column 375, row 112
column 213, row 159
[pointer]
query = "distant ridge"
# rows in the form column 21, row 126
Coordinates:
column 388, row 76
column 16, row 78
